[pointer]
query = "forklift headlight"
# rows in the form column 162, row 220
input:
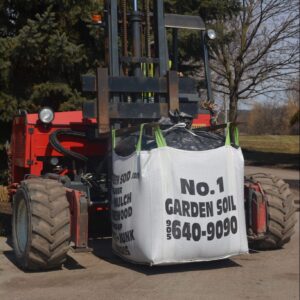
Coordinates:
column 46, row 115
column 211, row 34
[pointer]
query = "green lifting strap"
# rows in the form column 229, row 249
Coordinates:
column 160, row 140
column 113, row 138
column 236, row 135
column 227, row 141
column 139, row 144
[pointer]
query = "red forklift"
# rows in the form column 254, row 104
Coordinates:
column 59, row 162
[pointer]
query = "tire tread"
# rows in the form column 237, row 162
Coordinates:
column 50, row 224
column 280, row 209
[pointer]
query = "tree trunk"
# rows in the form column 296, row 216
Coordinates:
column 233, row 100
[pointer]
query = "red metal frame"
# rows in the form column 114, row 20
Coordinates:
column 79, row 219
column 30, row 140
column 256, row 196
column 202, row 120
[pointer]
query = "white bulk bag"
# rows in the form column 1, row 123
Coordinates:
column 173, row 206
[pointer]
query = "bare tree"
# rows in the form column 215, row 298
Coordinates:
column 293, row 95
column 257, row 51
column 269, row 118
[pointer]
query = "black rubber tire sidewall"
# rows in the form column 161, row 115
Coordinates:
column 21, row 195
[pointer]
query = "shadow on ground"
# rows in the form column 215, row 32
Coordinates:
column 282, row 160
column 102, row 248
column 70, row 264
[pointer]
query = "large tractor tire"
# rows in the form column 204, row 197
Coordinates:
column 280, row 212
column 41, row 224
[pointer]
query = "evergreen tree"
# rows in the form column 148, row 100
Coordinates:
column 44, row 48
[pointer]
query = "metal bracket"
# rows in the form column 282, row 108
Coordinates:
column 79, row 219
column 102, row 100
column 173, row 90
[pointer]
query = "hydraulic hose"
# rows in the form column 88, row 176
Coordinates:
column 54, row 141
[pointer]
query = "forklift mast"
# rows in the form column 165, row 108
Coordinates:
column 123, row 88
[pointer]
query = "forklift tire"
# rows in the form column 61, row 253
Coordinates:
column 41, row 224
column 280, row 212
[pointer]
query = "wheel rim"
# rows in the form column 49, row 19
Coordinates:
column 22, row 226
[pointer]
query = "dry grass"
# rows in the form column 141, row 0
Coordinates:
column 3, row 194
column 271, row 143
